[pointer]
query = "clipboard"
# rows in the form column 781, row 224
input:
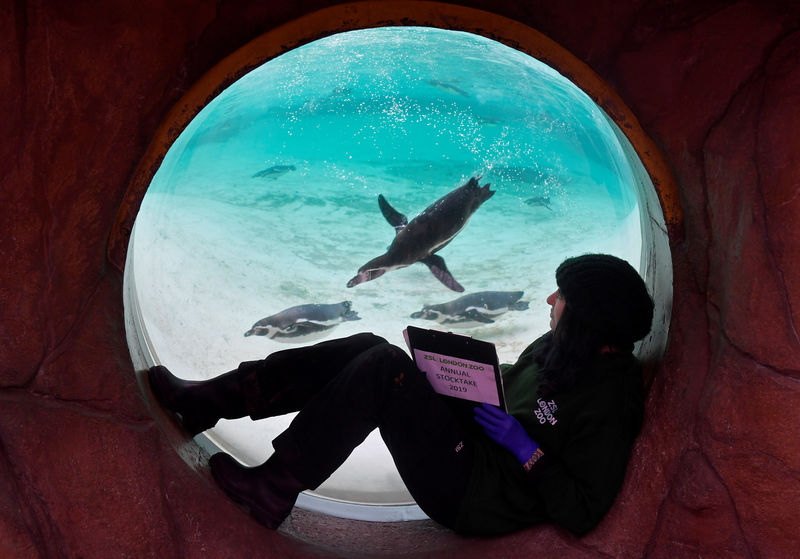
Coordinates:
column 457, row 366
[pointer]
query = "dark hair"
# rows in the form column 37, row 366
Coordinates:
column 566, row 353
column 608, row 294
column 606, row 303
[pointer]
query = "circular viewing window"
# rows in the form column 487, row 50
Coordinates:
column 269, row 200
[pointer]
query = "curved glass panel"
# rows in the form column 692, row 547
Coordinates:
column 269, row 200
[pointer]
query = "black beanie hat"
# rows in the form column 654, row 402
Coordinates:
column 608, row 294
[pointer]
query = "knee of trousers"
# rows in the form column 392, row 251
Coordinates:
column 389, row 362
column 390, row 354
column 367, row 339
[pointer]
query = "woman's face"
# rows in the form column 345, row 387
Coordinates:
column 556, row 302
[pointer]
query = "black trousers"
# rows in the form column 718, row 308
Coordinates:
column 343, row 389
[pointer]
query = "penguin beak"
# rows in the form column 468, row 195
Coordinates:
column 366, row 275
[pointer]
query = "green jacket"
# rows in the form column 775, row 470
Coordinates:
column 586, row 435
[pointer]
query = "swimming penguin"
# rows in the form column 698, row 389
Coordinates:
column 303, row 322
column 274, row 172
column 447, row 87
column 474, row 309
column 543, row 201
column 418, row 240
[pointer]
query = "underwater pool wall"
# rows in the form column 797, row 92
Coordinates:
column 90, row 468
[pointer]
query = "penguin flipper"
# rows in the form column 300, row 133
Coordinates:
column 305, row 327
column 439, row 270
column 477, row 316
column 395, row 218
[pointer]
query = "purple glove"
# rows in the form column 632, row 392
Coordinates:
column 506, row 431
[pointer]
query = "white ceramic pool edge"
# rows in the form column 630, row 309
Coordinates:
column 655, row 265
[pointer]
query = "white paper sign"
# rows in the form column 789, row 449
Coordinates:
column 459, row 378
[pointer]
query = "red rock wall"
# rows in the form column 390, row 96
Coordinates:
column 85, row 470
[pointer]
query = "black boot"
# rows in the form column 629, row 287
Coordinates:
column 267, row 492
column 200, row 404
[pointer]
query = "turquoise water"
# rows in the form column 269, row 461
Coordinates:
column 269, row 198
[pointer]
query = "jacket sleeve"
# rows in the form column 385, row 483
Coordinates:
column 579, row 484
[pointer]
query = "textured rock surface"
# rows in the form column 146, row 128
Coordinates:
column 87, row 472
